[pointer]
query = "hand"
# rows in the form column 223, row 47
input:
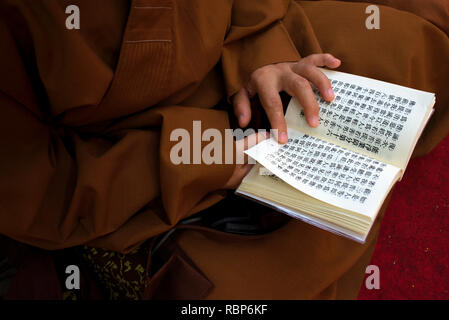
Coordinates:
column 292, row 77
column 241, row 170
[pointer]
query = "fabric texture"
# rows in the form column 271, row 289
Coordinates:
column 87, row 116
column 413, row 249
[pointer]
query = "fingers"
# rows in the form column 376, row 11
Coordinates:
column 306, row 68
column 242, row 107
column 322, row 60
column 319, row 79
column 299, row 87
column 272, row 104
column 294, row 78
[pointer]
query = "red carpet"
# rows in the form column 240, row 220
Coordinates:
column 413, row 248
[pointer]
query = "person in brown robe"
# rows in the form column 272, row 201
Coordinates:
column 87, row 115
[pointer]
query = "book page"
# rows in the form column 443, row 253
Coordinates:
column 274, row 189
column 328, row 172
column 372, row 117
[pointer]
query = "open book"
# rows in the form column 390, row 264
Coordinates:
column 336, row 176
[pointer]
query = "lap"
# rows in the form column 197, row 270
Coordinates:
column 299, row 261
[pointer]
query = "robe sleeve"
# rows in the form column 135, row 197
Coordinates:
column 60, row 187
column 256, row 37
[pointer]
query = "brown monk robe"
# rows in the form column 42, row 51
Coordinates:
column 86, row 117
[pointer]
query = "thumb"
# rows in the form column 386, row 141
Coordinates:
column 242, row 107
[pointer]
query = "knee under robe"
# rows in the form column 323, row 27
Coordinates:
column 86, row 117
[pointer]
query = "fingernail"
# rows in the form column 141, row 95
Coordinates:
column 283, row 137
column 315, row 121
column 330, row 94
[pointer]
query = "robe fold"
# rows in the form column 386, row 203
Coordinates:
column 87, row 115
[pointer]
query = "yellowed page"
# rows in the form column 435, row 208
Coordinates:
column 275, row 193
column 375, row 118
column 276, row 190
